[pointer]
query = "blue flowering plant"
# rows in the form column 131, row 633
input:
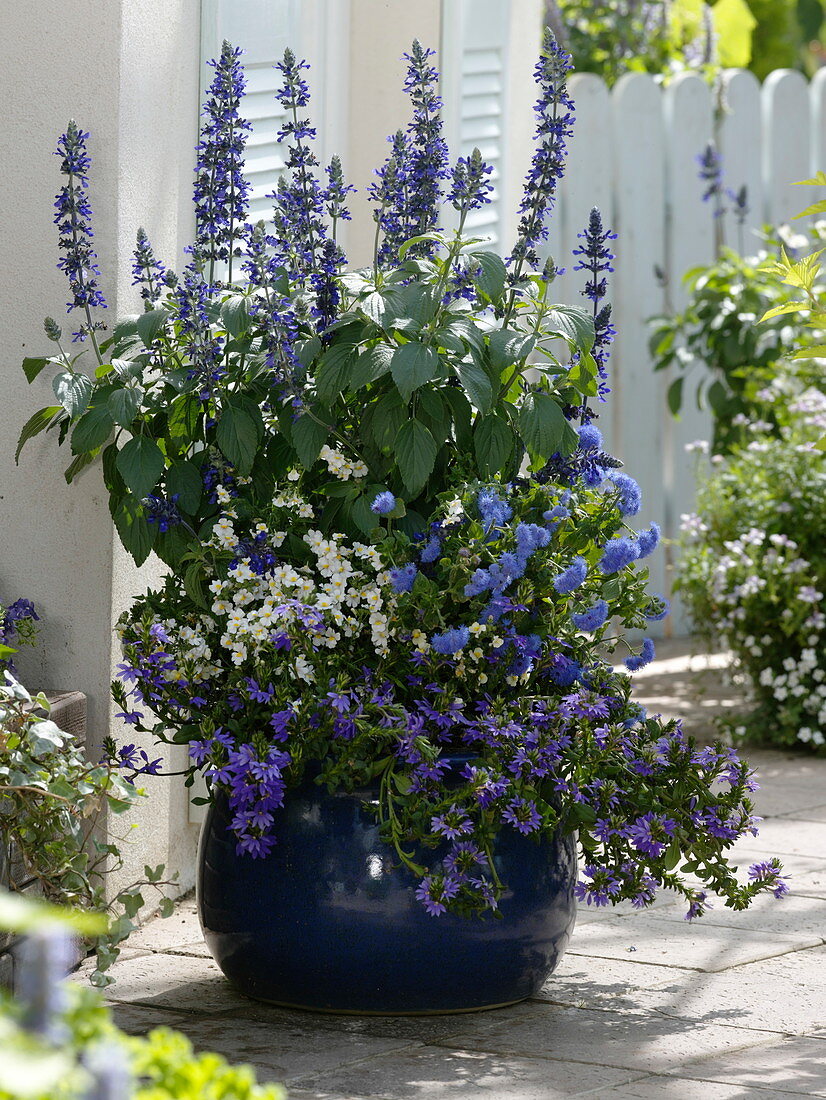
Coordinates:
column 401, row 556
column 17, row 628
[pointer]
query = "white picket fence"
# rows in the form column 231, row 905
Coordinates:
column 633, row 155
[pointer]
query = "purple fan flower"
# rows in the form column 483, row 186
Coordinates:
column 652, row 833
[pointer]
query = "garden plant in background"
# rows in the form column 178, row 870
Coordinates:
column 753, row 570
column 51, row 798
column 59, row 1041
column 393, row 531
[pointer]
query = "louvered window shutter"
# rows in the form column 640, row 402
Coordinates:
column 474, row 58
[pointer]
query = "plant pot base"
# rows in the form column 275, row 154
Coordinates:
column 328, row 921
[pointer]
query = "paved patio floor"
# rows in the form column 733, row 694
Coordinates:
column 643, row 1005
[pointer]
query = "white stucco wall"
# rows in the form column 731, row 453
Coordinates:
column 127, row 72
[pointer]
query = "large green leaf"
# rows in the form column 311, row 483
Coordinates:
column 308, row 438
column 150, row 324
column 412, row 365
column 36, row 423
column 33, row 367
column 124, row 404
column 237, row 437
column 73, row 389
column 509, row 346
column 136, row 534
column 491, row 279
column 333, row 374
column 541, row 424
column 140, row 464
column 462, row 415
column 183, row 479
column 575, row 324
column 184, row 414
column 235, row 315
column 386, row 418
column 476, row 383
column 92, row 430
column 493, row 445
column 371, row 364
column 415, row 455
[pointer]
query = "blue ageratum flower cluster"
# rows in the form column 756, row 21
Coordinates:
column 221, row 191
column 73, row 219
column 555, row 113
column 409, row 190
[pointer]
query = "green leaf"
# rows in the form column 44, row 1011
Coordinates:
column 576, row 325
column 149, row 324
column 36, row 423
column 509, row 347
column 386, row 418
column 462, row 415
column 124, row 403
column 371, row 364
column 415, row 455
column 235, row 315
column 183, row 479
column 23, row 915
column 541, row 424
column 412, row 365
column 194, row 584
column 308, row 438
column 333, row 374
column 818, row 180
column 140, row 464
column 733, row 25
column 816, row 351
column 33, row 367
column 493, row 445
column 136, row 534
column 307, row 350
column 184, row 415
column 237, row 437
column 476, row 383
column 491, row 281
column 786, row 307
column 92, row 430
column 80, row 462
column 675, row 396
column 74, row 391
column 810, row 211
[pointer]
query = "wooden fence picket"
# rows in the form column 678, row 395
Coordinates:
column 786, row 150
column 740, row 131
column 688, row 113
column 639, row 219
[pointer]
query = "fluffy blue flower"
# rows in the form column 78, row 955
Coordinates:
column 530, row 537
column 630, row 494
column 404, row 577
column 572, row 577
column 592, row 619
column 451, row 641
column 618, row 553
column 645, row 658
column 590, row 438
column 648, row 540
column 383, row 504
column 494, row 512
column 432, row 549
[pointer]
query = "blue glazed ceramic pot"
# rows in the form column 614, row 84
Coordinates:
column 328, row 921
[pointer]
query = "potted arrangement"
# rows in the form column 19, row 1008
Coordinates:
column 399, row 563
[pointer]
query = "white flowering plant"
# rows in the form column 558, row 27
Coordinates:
column 753, row 568
column 400, row 555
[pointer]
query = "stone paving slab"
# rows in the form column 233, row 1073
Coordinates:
column 792, row 914
column 650, row 1042
column 680, row 1088
column 429, row 1072
column 684, row 945
column 796, row 1065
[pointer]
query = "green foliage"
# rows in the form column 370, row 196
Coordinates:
column 777, row 36
column 51, row 797
column 403, row 378
column 753, row 568
column 77, row 1051
column 716, row 348
column 613, row 37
